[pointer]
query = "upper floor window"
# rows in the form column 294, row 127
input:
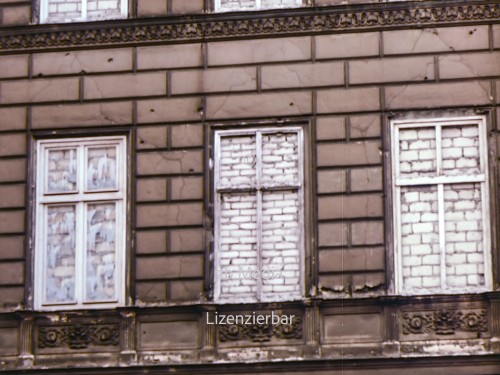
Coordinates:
column 235, row 5
column 441, row 211
column 259, row 244
column 60, row 11
column 80, row 223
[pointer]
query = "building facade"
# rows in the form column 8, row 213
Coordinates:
column 249, row 186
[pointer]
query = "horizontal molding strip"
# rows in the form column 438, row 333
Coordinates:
column 227, row 26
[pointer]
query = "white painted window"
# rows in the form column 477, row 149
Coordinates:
column 61, row 11
column 80, row 223
column 259, row 215
column 441, row 210
column 236, row 5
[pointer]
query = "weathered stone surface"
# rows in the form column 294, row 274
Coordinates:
column 95, row 114
column 153, row 189
column 446, row 94
column 169, row 162
column 71, row 62
column 186, row 188
column 259, row 51
column 436, row 40
column 302, row 75
column 467, row 65
column 167, row 110
column 151, row 291
column 169, row 215
column 366, row 179
column 171, row 56
column 341, row 260
column 367, row 233
column 12, row 196
column 12, row 272
column 184, row 290
column 214, row 80
column 169, row 267
column 15, row 15
column 169, row 335
column 13, row 144
column 186, row 240
column 148, row 8
column 13, row 118
column 12, row 170
column 332, row 234
column 354, row 328
column 347, row 45
column 152, row 137
column 184, row 7
column 331, row 181
column 11, row 247
column 352, row 153
column 348, row 100
column 259, row 105
column 39, row 90
column 14, row 66
column 365, row 126
column 151, row 242
column 187, row 135
column 350, row 206
column 332, row 127
column 391, row 70
column 9, row 341
column 124, row 85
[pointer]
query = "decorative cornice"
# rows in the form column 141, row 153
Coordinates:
column 444, row 322
column 261, row 332
column 78, row 336
column 249, row 24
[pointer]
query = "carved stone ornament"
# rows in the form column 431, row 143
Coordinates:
column 216, row 26
column 78, row 336
column 261, row 332
column 444, row 322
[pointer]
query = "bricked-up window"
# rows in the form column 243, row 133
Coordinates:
column 440, row 183
column 80, row 223
column 235, row 5
column 61, row 11
column 259, row 215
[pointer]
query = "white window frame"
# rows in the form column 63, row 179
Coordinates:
column 80, row 199
column 44, row 11
column 258, row 189
column 439, row 181
column 258, row 6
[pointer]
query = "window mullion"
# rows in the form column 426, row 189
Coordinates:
column 258, row 147
column 258, row 4
column 442, row 235
column 84, row 9
column 439, row 157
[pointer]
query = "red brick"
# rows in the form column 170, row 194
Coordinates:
column 124, row 85
column 167, row 110
column 446, row 39
column 347, row 45
column 302, row 75
column 170, row 56
column 93, row 61
column 39, row 90
column 348, row 100
column 13, row 118
column 95, row 114
column 353, row 153
column 439, row 94
column 259, row 51
column 350, row 206
column 469, row 65
column 259, row 105
column 14, row 66
column 332, row 234
column 169, row 162
column 391, row 70
column 169, row 215
column 214, row 80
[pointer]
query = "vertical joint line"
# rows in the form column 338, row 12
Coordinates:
column 259, row 78
column 442, row 238
column 258, row 145
column 436, row 69
column 346, row 74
